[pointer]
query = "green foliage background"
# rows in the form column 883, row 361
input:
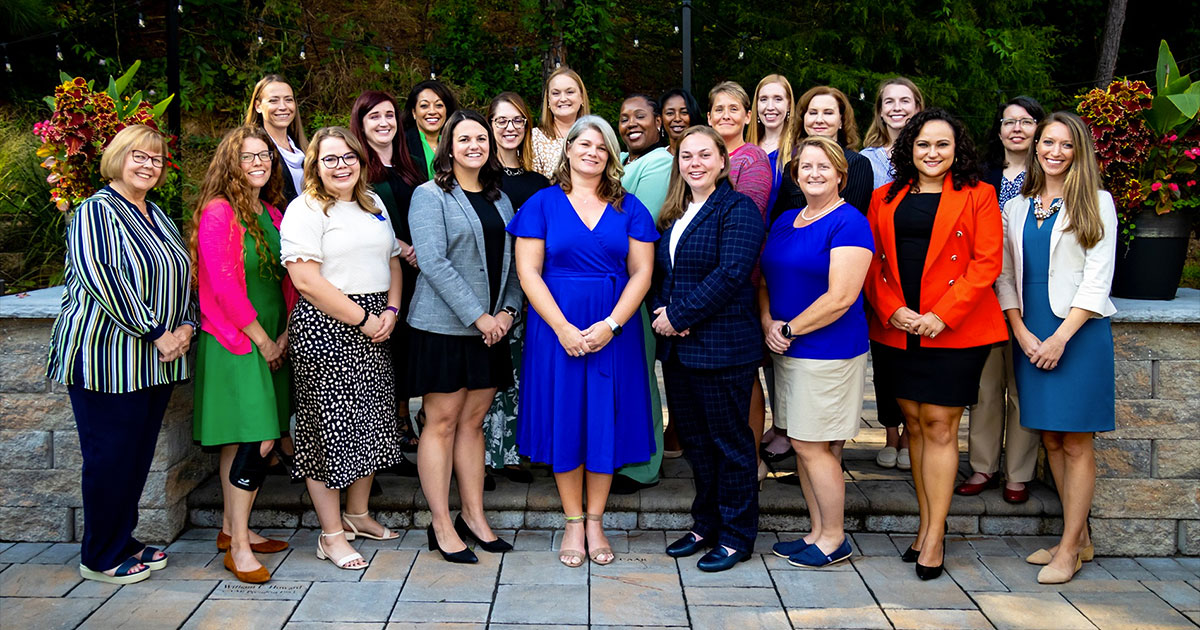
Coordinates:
column 967, row 56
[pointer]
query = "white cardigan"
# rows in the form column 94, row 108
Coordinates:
column 1077, row 278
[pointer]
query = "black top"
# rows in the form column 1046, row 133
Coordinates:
column 913, row 223
column 396, row 195
column 860, row 183
column 520, row 184
column 493, row 241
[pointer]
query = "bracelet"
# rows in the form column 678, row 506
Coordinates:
column 366, row 316
column 395, row 311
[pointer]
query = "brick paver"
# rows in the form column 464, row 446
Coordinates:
column 987, row 585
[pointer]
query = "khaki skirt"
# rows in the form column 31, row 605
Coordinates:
column 819, row 400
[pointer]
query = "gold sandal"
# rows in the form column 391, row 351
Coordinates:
column 596, row 553
column 572, row 557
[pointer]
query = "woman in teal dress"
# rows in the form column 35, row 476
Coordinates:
column 243, row 393
column 1060, row 247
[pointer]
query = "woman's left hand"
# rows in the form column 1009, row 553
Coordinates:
column 776, row 342
column 504, row 323
column 408, row 253
column 927, row 325
column 1049, row 352
column 598, row 335
column 387, row 320
column 282, row 342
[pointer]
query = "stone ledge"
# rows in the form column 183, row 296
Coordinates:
column 39, row 304
column 1184, row 309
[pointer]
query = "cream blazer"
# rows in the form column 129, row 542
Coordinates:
column 1077, row 278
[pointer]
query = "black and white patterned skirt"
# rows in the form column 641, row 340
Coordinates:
column 345, row 401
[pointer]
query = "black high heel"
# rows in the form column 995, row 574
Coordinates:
column 490, row 546
column 932, row 573
column 910, row 555
column 466, row 556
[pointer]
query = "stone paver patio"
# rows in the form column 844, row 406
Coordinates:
column 988, row 585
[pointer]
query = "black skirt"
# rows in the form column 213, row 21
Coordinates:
column 444, row 364
column 936, row 376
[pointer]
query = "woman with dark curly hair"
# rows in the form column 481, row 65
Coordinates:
column 938, row 239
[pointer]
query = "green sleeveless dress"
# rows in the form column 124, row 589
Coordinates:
column 237, row 397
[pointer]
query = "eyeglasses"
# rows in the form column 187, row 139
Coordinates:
column 1009, row 123
column 263, row 156
column 517, row 122
column 140, row 157
column 332, row 161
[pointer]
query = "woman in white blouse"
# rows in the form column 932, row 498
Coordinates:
column 342, row 256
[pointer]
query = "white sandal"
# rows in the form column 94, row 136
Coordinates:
column 387, row 533
column 344, row 560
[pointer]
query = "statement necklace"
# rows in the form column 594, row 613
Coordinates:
column 837, row 202
column 1040, row 213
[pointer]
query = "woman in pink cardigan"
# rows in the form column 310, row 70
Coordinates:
column 242, row 397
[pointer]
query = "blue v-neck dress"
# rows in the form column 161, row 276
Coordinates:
column 1086, row 364
column 592, row 410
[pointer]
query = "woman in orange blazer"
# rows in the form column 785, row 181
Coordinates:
column 938, row 242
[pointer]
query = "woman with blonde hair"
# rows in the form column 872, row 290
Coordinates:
column 119, row 346
column 564, row 100
column 585, row 256
column 243, row 396
column 273, row 108
column 771, row 125
column 341, row 254
column 1059, row 251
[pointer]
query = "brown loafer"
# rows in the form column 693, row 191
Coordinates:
column 224, row 541
column 1016, row 496
column 972, row 489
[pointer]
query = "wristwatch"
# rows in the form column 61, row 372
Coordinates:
column 612, row 323
column 786, row 331
column 512, row 312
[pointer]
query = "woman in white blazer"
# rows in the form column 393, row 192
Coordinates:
column 1060, row 243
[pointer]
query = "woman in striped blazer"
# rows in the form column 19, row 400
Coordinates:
column 119, row 344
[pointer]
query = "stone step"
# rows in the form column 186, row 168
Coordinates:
column 877, row 500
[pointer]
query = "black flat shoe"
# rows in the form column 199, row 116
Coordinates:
column 624, row 485
column 490, row 546
column 910, row 555
column 721, row 559
column 489, row 482
column 466, row 556
column 515, row 475
column 688, row 545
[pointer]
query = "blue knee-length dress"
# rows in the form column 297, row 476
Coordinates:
column 1077, row 396
column 592, row 410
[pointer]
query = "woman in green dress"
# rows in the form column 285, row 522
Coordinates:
column 243, row 393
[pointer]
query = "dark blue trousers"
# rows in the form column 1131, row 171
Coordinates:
column 117, row 434
column 711, row 410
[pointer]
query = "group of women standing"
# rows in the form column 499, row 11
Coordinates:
column 339, row 277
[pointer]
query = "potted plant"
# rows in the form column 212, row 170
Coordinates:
column 1147, row 144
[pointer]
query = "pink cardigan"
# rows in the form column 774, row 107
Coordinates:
column 225, row 308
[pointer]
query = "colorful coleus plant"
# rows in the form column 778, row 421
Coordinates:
column 82, row 123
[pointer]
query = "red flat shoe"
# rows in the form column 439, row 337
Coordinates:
column 1016, row 496
column 972, row 489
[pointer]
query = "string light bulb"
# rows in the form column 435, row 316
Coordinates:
column 635, row 41
column 58, row 52
column 7, row 65
column 303, row 55
column 179, row 7
column 141, row 21
column 258, row 35
column 517, row 67
column 862, row 93
column 387, row 63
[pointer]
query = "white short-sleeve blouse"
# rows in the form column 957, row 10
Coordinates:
column 353, row 246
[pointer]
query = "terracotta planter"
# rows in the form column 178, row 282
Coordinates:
column 1150, row 267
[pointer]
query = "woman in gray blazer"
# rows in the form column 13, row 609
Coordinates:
column 464, row 304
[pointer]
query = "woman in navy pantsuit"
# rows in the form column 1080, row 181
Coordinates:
column 711, row 344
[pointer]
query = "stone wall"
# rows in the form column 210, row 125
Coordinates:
column 40, row 497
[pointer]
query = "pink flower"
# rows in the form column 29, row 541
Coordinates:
column 1172, row 137
column 1155, row 186
column 1173, row 186
column 1191, row 182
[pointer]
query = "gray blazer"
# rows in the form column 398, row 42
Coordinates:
column 452, row 288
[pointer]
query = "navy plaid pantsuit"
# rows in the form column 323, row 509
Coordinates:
column 709, row 372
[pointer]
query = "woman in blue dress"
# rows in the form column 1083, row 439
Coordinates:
column 1060, row 246
column 585, row 255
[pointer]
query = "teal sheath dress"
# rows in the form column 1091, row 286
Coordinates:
column 238, row 398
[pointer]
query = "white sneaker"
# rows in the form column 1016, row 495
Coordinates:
column 903, row 462
column 886, row 457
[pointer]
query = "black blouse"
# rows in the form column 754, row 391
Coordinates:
column 860, row 183
column 493, row 241
column 520, row 184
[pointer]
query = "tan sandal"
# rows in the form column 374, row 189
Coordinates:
column 354, row 531
column 344, row 560
column 572, row 557
column 596, row 553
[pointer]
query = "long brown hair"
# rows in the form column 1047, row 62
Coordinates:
column 547, row 121
column 295, row 129
column 525, row 151
column 490, row 174
column 679, row 194
column 313, row 185
column 1081, row 204
column 401, row 162
column 226, row 180
column 847, row 136
column 610, row 189
column 877, row 133
column 757, row 131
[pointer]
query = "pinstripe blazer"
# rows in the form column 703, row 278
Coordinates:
column 452, row 290
column 708, row 289
column 127, row 283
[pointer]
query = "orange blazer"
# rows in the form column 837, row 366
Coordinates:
column 964, row 260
